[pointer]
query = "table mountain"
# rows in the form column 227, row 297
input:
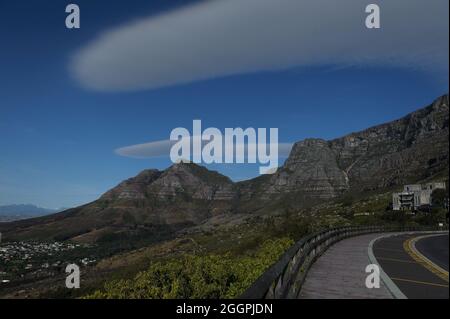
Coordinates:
column 407, row 150
column 410, row 149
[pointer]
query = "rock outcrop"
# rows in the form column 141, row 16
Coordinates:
column 410, row 149
column 403, row 151
column 185, row 179
column 311, row 169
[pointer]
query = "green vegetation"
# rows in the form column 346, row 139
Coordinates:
column 222, row 258
column 439, row 198
column 197, row 276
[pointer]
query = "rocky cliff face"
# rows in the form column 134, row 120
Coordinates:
column 312, row 170
column 410, row 149
column 133, row 188
column 407, row 150
column 186, row 179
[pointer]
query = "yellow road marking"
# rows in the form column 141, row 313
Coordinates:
column 420, row 282
column 410, row 248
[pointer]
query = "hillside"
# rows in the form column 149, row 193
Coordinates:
column 154, row 202
column 160, row 203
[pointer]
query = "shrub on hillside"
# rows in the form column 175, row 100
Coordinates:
column 197, row 276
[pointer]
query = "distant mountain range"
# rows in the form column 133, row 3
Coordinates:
column 22, row 211
column 383, row 157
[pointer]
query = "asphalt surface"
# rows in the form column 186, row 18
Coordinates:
column 412, row 278
column 435, row 249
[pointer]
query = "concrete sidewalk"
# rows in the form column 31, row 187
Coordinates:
column 340, row 272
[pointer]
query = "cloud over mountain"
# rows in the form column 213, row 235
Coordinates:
column 226, row 37
column 162, row 149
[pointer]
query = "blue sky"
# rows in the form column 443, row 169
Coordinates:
column 59, row 130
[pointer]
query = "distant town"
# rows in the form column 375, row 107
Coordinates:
column 24, row 261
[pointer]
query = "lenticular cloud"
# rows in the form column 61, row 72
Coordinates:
column 162, row 149
column 225, row 37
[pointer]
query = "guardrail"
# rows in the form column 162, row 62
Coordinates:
column 285, row 278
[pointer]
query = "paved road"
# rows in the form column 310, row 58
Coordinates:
column 340, row 273
column 410, row 275
column 435, row 249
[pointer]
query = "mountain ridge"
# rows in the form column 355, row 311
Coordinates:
column 23, row 211
column 411, row 148
column 406, row 150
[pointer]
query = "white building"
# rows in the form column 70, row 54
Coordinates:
column 415, row 195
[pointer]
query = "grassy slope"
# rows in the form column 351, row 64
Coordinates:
column 237, row 238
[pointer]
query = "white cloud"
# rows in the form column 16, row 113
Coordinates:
column 146, row 150
column 162, row 149
column 225, row 37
